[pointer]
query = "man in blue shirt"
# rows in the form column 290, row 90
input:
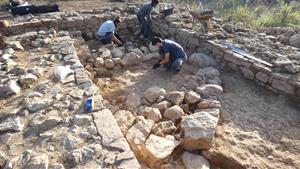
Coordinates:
column 144, row 17
column 173, row 54
column 107, row 32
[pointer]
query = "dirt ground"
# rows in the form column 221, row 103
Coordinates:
column 259, row 129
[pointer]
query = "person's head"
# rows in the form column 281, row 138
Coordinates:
column 156, row 41
column 117, row 22
column 154, row 3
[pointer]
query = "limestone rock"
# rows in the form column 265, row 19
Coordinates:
column 229, row 27
column 137, row 51
column 208, row 103
column 11, row 124
column 295, row 40
column 133, row 101
column 192, row 97
column 79, row 156
column 16, row 45
column 57, row 166
column 28, row 79
column 158, row 149
column 10, row 88
column 99, row 62
column 5, row 139
column 109, row 64
column 164, row 128
column 175, row 97
column 35, row 104
column 125, row 120
column 174, row 113
column 130, row 59
column 144, row 49
column 208, row 72
column 104, row 53
column 152, row 93
column 38, row 162
column 70, row 142
column 41, row 123
column 162, row 106
column 117, row 53
column 194, row 161
column 202, row 60
column 210, row 90
column 199, row 129
column 138, row 134
column 152, row 48
column 152, row 114
column 82, row 119
column 37, row 71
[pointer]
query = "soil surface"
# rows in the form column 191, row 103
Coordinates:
column 259, row 129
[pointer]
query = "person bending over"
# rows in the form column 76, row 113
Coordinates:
column 107, row 32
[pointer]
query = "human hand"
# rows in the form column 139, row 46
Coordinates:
column 157, row 65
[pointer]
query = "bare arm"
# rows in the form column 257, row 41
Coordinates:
column 166, row 59
column 116, row 40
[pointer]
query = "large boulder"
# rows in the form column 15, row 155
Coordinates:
column 11, row 124
column 164, row 128
column 152, row 114
column 174, row 113
column 158, row 149
column 133, row 101
column 38, row 162
column 175, row 97
column 199, row 129
column 130, row 59
column 194, row 161
column 202, row 60
column 162, row 106
column 192, row 97
column 152, row 93
column 117, row 52
column 137, row 135
column 295, row 40
column 210, row 90
column 125, row 120
column 10, row 88
column 208, row 72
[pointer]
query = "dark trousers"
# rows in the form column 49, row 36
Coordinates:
column 145, row 29
column 107, row 38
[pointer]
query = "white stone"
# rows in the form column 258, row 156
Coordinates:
column 144, row 49
column 11, row 124
column 117, row 53
column 130, row 59
column 109, row 64
column 125, row 120
column 137, row 51
column 194, row 161
column 82, row 119
column 152, row 114
column 28, row 79
column 41, row 123
column 158, row 149
column 175, row 97
column 138, row 134
column 199, row 129
column 133, row 101
column 164, row 128
column 57, row 166
column 202, row 60
column 38, row 162
column 9, row 89
column 104, row 53
column 35, row 104
column 208, row 72
column 152, row 93
column 152, row 48
column 192, row 97
column 210, row 90
column 164, row 105
column 99, row 62
column 70, row 142
column 174, row 113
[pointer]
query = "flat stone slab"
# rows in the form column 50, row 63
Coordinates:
column 113, row 141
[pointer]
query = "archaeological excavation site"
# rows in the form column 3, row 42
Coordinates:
column 225, row 109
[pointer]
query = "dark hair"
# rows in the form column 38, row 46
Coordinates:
column 154, row 2
column 156, row 40
column 117, row 20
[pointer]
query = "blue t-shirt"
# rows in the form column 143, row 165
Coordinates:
column 175, row 50
column 145, row 10
column 106, row 27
